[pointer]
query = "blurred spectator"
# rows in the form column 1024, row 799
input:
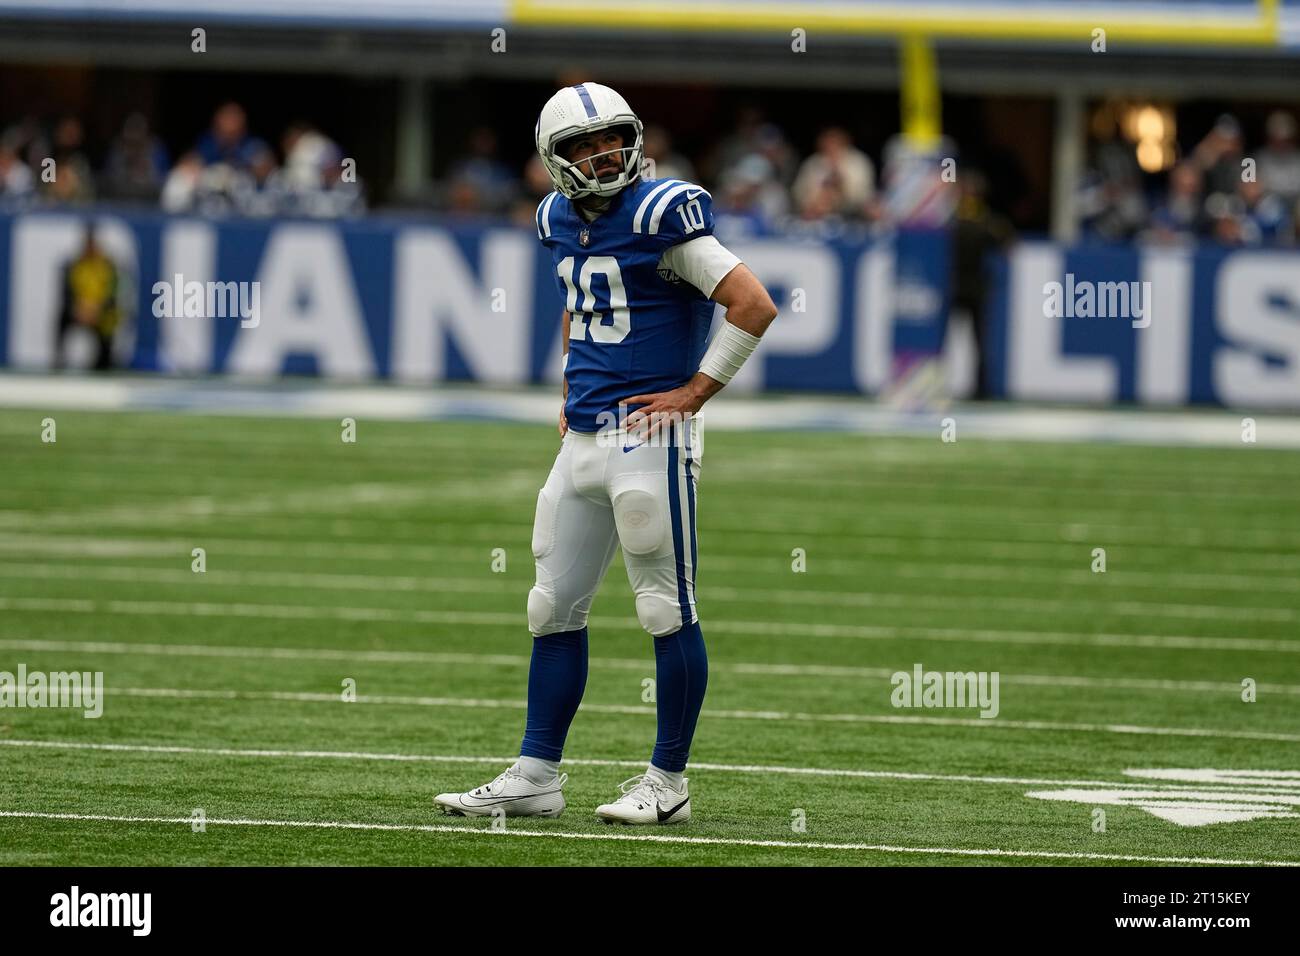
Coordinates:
column 481, row 182
column 16, row 179
column 228, row 141
column 90, row 290
column 180, row 189
column 1278, row 169
column 537, row 184
column 1180, row 217
column 977, row 232
column 73, row 181
column 1219, row 155
column 29, row 141
column 315, row 179
column 464, row 199
column 1209, row 195
column 751, row 198
column 756, row 177
column 137, row 162
column 838, row 179
column 221, row 188
column 1268, row 218
column 771, row 144
column 740, row 142
column 1229, row 225
column 310, row 157
column 1112, row 206
column 228, row 170
column 667, row 164
column 262, row 191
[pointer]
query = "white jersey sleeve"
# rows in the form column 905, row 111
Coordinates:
column 702, row 262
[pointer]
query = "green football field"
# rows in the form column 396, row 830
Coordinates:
column 375, row 565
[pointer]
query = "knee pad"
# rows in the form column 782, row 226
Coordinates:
column 658, row 614
column 541, row 611
column 641, row 521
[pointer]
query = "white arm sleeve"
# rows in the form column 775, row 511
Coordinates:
column 702, row 262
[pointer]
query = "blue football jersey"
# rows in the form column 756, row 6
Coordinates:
column 632, row 330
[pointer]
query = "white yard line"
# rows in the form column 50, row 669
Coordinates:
column 883, row 545
column 924, row 523
column 261, row 653
column 365, row 498
column 793, row 629
column 759, row 769
column 782, row 716
column 489, row 583
column 814, row 470
column 469, row 830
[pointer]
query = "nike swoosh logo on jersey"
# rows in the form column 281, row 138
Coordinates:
column 690, row 196
column 665, row 815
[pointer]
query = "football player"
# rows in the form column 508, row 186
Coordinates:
column 639, row 270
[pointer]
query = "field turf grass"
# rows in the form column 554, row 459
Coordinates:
column 372, row 562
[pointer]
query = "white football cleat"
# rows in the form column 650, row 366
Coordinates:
column 515, row 794
column 648, row 799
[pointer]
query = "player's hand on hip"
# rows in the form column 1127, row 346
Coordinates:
column 564, row 421
column 661, row 408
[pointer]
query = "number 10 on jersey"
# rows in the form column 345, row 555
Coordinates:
column 584, row 318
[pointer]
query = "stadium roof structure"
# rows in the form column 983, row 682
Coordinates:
column 1171, row 47
column 1161, row 22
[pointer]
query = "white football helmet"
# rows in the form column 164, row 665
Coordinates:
column 586, row 108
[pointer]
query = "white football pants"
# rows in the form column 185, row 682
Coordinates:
column 603, row 492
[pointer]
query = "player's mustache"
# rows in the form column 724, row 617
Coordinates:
column 611, row 162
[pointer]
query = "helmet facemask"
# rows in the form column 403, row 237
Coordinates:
column 578, row 179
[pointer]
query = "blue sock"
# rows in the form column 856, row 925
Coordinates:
column 557, row 676
column 682, row 673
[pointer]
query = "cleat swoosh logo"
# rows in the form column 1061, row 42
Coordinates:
column 488, row 803
column 665, row 814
